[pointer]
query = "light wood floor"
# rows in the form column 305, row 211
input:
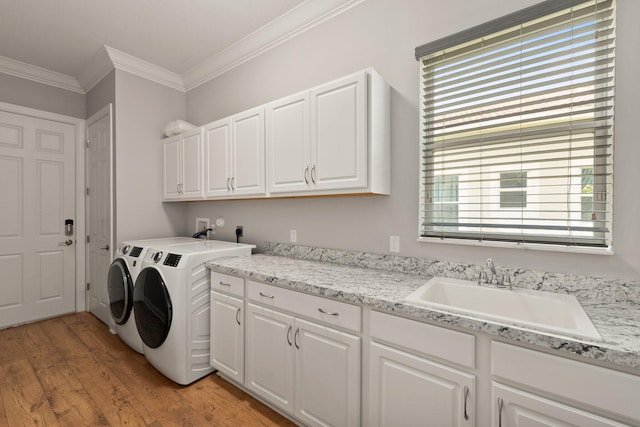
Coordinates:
column 70, row 371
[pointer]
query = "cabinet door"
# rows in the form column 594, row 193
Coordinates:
column 407, row 390
column 288, row 166
column 513, row 408
column 227, row 336
column 191, row 163
column 327, row 376
column 248, row 161
column 171, row 167
column 339, row 134
column 218, row 151
column 269, row 356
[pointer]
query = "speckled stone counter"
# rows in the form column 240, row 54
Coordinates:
column 617, row 317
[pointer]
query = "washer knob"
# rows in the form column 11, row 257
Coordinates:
column 125, row 249
column 157, row 256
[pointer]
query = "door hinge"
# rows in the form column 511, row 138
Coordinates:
column 87, row 191
column 86, row 142
column 88, row 238
column 88, row 286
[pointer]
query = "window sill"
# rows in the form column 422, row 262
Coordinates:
column 520, row 246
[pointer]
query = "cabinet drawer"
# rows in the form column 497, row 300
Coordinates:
column 452, row 346
column 322, row 309
column 597, row 387
column 228, row 284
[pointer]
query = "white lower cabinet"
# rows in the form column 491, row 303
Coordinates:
column 531, row 388
column 517, row 408
column 227, row 336
column 305, row 368
column 408, row 390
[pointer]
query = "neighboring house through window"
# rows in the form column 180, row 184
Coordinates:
column 517, row 128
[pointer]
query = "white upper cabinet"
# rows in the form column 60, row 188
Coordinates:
column 234, row 153
column 329, row 140
column 288, row 145
column 182, row 161
column 332, row 139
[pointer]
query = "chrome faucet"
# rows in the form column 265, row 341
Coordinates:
column 503, row 281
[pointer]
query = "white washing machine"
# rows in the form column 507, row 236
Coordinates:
column 121, row 279
column 171, row 301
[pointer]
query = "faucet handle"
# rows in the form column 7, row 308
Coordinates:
column 482, row 278
column 506, row 280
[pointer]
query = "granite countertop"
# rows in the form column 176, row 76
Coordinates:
column 617, row 322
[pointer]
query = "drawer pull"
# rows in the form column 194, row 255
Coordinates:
column 295, row 339
column 466, row 397
column 500, row 405
column 238, row 316
column 267, row 296
column 329, row 313
column 224, row 284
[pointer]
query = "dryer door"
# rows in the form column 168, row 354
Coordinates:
column 120, row 291
column 152, row 305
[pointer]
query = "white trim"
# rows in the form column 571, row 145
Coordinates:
column 297, row 21
column 80, row 184
column 125, row 62
column 293, row 23
column 96, row 70
column 37, row 74
column 521, row 246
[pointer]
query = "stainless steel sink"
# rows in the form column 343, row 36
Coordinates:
column 547, row 311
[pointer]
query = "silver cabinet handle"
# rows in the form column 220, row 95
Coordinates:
column 295, row 338
column 314, row 175
column 237, row 316
column 266, row 296
column 228, row 188
column 104, row 248
column 329, row 313
column 306, row 175
column 466, row 397
column 224, row 284
column 500, row 405
column 289, row 335
column 67, row 242
column 233, row 183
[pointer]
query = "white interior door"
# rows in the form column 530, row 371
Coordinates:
column 37, row 259
column 99, row 207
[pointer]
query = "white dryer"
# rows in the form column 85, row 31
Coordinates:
column 171, row 300
column 121, row 278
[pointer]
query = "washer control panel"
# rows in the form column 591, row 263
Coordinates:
column 172, row 260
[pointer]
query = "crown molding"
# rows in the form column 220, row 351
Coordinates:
column 95, row 70
column 293, row 23
column 40, row 75
column 298, row 20
column 125, row 62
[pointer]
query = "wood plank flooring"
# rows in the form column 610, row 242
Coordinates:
column 70, row 371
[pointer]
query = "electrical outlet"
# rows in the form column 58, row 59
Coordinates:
column 293, row 236
column 239, row 231
column 202, row 224
column 394, row 243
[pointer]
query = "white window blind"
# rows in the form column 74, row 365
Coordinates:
column 520, row 121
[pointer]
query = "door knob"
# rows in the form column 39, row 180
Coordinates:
column 66, row 243
column 104, row 248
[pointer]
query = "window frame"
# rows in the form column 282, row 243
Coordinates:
column 529, row 14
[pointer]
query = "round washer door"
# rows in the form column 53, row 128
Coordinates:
column 152, row 305
column 120, row 291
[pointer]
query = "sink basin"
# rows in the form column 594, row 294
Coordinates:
column 548, row 311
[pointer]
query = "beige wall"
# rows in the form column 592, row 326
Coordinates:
column 27, row 93
column 142, row 110
column 383, row 34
